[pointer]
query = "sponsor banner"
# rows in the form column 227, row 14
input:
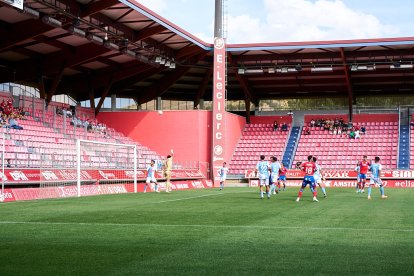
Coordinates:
column 343, row 174
column 70, row 175
column 345, row 183
column 17, row 194
column 219, row 107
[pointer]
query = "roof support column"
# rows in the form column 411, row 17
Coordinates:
column 348, row 83
column 103, row 97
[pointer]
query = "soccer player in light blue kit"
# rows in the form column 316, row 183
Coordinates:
column 319, row 177
column 274, row 174
column 223, row 175
column 151, row 177
column 376, row 178
column 262, row 169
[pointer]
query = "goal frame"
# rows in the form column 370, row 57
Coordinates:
column 78, row 160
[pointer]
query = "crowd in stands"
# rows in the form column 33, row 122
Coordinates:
column 90, row 125
column 10, row 115
column 337, row 126
column 283, row 127
column 64, row 112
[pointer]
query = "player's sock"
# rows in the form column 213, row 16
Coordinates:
column 382, row 190
column 323, row 190
column 145, row 188
column 261, row 194
column 268, row 194
column 369, row 190
column 300, row 193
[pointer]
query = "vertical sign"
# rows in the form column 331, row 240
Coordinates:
column 219, row 106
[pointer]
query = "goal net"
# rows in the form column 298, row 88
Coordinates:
column 89, row 168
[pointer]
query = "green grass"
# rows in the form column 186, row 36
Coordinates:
column 210, row 232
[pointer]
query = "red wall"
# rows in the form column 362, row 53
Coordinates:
column 187, row 132
column 357, row 118
column 270, row 119
column 360, row 118
column 309, row 118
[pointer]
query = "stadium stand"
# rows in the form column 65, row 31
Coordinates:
column 257, row 139
column 339, row 151
column 48, row 140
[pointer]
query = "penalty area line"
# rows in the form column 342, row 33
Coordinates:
column 204, row 226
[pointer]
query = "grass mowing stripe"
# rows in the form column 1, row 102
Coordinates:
column 187, row 198
column 207, row 226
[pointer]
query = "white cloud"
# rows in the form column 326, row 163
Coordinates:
column 305, row 20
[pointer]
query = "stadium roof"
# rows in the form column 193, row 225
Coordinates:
column 94, row 48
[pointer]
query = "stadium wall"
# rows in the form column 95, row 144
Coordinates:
column 357, row 118
column 188, row 132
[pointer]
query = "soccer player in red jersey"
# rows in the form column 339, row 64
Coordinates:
column 282, row 177
column 364, row 166
column 309, row 168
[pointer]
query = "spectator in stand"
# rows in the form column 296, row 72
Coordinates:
column 363, row 129
column 306, row 131
column 59, row 111
column 357, row 134
column 14, row 124
column 352, row 134
column 275, row 126
column 312, row 123
column 284, row 127
column 339, row 130
column 8, row 164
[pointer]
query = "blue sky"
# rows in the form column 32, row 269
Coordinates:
column 258, row 21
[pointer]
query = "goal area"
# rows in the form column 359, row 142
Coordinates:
column 89, row 168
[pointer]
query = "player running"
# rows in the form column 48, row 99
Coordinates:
column 376, row 169
column 151, row 177
column 274, row 174
column 262, row 169
column 282, row 176
column 319, row 177
column 363, row 170
column 309, row 168
column 223, row 175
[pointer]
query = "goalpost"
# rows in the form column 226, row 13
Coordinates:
column 110, row 162
column 86, row 168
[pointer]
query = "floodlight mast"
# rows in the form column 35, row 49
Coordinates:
column 218, row 19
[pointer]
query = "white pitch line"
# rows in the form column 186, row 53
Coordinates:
column 205, row 226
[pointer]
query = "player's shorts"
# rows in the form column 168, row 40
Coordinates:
column 151, row 180
column 375, row 180
column 273, row 177
column 222, row 179
column 263, row 181
column 167, row 174
column 282, row 177
column 362, row 176
column 309, row 179
column 318, row 179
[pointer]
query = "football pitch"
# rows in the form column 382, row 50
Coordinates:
column 210, row 232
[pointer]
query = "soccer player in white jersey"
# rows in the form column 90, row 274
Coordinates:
column 223, row 175
column 376, row 169
column 262, row 169
column 151, row 177
column 319, row 176
column 274, row 174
